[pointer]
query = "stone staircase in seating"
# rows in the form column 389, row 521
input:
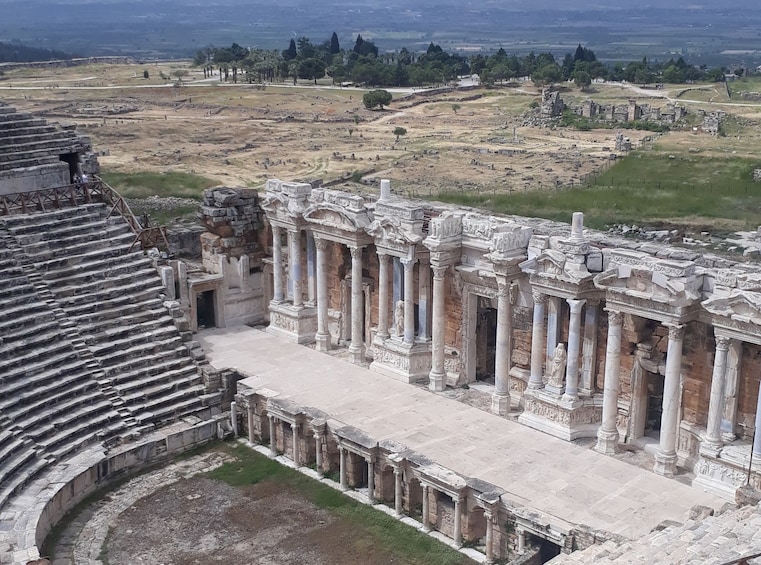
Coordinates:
column 88, row 352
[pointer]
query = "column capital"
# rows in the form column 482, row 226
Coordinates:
column 614, row 317
column 722, row 342
column 503, row 287
column 439, row 272
column 539, row 297
column 294, row 231
column 513, row 292
column 593, row 302
column 676, row 331
column 407, row 262
column 381, row 254
column 320, row 243
column 356, row 251
column 575, row 304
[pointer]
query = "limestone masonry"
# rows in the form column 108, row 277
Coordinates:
column 622, row 344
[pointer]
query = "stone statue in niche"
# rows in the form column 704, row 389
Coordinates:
column 399, row 318
column 557, row 370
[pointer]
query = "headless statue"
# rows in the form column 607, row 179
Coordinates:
column 557, row 370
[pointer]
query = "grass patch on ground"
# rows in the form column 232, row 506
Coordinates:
column 145, row 184
column 644, row 188
column 402, row 543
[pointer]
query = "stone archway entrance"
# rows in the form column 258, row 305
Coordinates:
column 648, row 375
column 486, row 338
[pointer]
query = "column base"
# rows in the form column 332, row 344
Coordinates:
column 357, row 354
column 665, row 464
column 407, row 362
column 550, row 413
column 607, row 442
column 534, row 386
column 322, row 342
column 294, row 323
column 500, row 404
column 710, row 448
column 437, row 382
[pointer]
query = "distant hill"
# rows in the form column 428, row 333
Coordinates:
column 15, row 53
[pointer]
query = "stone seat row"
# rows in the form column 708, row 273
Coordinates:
column 38, row 249
column 31, row 224
column 20, row 120
column 21, row 143
column 27, row 130
column 30, row 155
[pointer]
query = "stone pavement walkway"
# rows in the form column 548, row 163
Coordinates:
column 574, row 484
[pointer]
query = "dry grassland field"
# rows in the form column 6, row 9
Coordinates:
column 461, row 141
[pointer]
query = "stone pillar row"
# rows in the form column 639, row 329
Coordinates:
column 665, row 458
column 357, row 347
column 409, row 301
column 713, row 439
column 383, row 282
column 537, row 334
column 277, row 264
column 574, row 343
column 437, row 378
column 501, row 397
column 322, row 337
column 607, row 434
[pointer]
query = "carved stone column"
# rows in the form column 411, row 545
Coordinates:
column 398, row 475
column 311, row 270
column 277, row 265
column 665, row 458
column 437, row 377
column 318, row 449
column 589, row 348
column 424, row 292
column 234, row 418
column 757, row 432
column 296, row 453
column 457, row 536
column 273, row 447
column 409, row 301
column 500, row 401
column 489, row 516
column 383, row 281
column 729, row 416
column 322, row 337
column 716, row 404
column 553, row 308
column 342, row 471
column 370, row 480
column 537, row 334
column 426, row 519
column 357, row 347
column 607, row 435
column 294, row 252
column 251, row 426
column 574, row 343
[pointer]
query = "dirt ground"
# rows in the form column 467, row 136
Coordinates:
column 200, row 521
column 475, row 140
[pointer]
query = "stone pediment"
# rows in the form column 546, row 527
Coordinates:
column 336, row 217
column 741, row 306
column 285, row 200
column 553, row 265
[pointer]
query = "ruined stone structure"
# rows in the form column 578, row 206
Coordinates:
column 712, row 122
column 99, row 375
column 632, row 112
column 552, row 104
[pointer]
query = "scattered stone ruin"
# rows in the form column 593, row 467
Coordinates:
column 623, row 143
column 632, row 112
column 712, row 122
column 756, row 175
column 552, row 104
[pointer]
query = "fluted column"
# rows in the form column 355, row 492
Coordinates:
column 732, row 378
column 437, row 378
column 357, row 347
column 409, row 300
column 500, row 401
column 665, row 458
column 553, row 308
column 426, row 519
column 607, row 434
column 424, row 293
column 537, row 334
column 383, row 281
column 574, row 345
column 294, row 252
column 277, row 265
column 311, row 270
column 716, row 404
column 322, row 337
column 251, row 425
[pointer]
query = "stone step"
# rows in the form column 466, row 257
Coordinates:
column 45, row 383
column 21, row 121
column 104, row 283
column 105, row 264
column 134, row 369
column 41, row 340
column 41, row 254
column 117, row 311
column 23, row 138
column 112, row 305
column 36, row 372
column 22, row 404
column 22, row 359
column 34, row 243
column 148, row 386
column 137, row 351
column 63, row 260
column 60, row 217
column 14, row 483
column 174, row 406
column 24, row 320
column 133, row 339
column 126, row 327
column 73, row 304
column 28, row 130
column 39, row 142
column 140, row 316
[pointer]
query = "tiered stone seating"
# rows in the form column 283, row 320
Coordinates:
column 112, row 296
column 51, row 405
column 26, row 141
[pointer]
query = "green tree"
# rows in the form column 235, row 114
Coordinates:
column 582, row 79
column 335, row 47
column 146, row 74
column 311, row 69
column 290, row 53
column 375, row 98
column 455, row 107
column 399, row 132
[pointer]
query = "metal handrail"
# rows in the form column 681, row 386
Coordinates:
column 84, row 193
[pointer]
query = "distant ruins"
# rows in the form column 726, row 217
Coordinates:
column 577, row 333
